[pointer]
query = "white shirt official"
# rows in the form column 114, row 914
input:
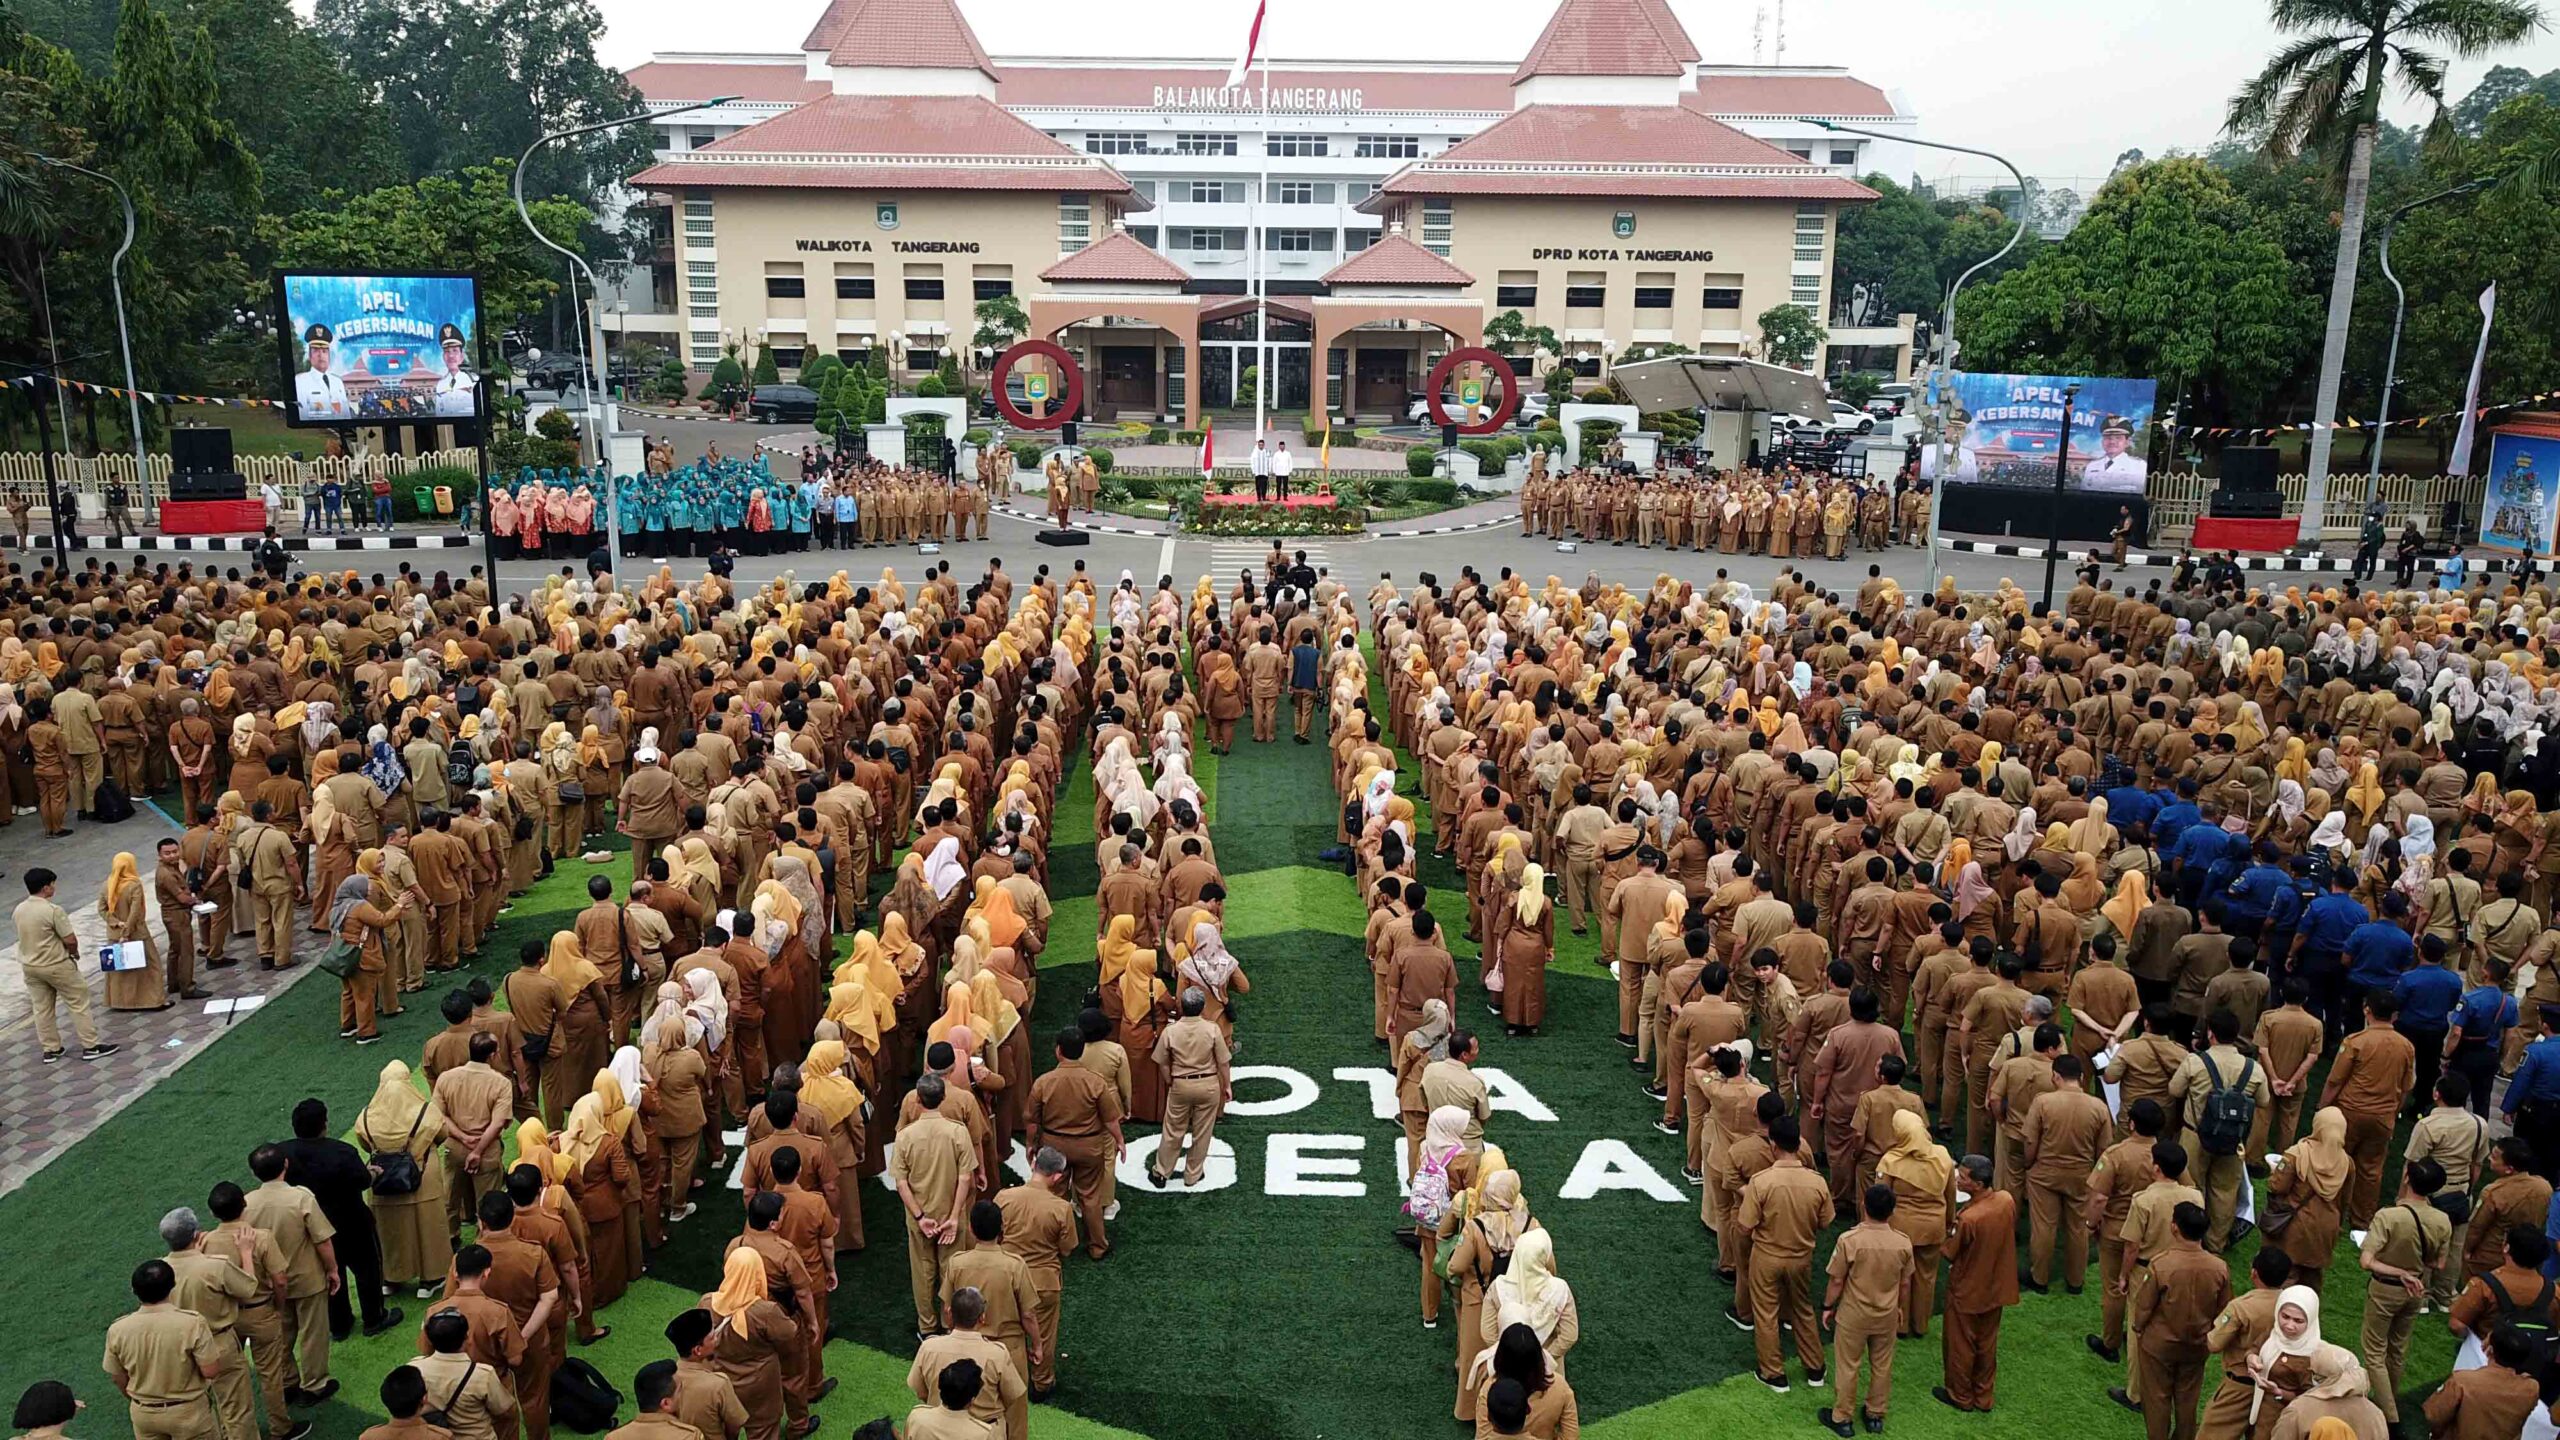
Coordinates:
column 1283, row 463
column 1261, row 461
column 457, row 392
column 2115, row 472
column 320, row 395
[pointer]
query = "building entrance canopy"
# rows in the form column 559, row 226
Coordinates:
column 1720, row 382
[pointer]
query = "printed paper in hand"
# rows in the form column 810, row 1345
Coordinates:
column 122, row 955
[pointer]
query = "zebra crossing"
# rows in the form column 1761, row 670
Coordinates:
column 1226, row 558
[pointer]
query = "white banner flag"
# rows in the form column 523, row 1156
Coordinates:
column 2461, row 463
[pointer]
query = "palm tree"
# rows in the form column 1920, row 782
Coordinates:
column 2323, row 92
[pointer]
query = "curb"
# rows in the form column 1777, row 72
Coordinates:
column 2297, row 564
column 309, row 543
column 1042, row 520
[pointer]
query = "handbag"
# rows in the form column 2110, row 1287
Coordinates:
column 442, row 1415
column 395, row 1172
column 343, row 958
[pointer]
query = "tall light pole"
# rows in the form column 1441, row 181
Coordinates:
column 124, row 339
column 1947, row 319
column 591, row 327
column 2399, row 313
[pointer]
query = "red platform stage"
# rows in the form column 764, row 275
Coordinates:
column 1294, row 502
column 2225, row 533
column 212, row 517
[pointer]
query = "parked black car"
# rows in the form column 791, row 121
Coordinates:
column 773, row 403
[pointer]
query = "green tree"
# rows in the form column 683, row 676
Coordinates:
column 766, row 371
column 2170, row 274
column 728, row 378
column 1559, row 384
column 819, row 371
column 671, row 382
column 1888, row 252
column 465, row 223
column 1857, row 387
column 1508, row 333
column 1789, row 335
column 1000, row 323
column 948, row 372
column 2323, row 93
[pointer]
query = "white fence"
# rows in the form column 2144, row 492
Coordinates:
column 86, row 477
column 2179, row 497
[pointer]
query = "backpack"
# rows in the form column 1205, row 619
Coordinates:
column 111, row 804
column 581, row 1399
column 1427, row 1198
column 2229, row 1110
column 460, row 771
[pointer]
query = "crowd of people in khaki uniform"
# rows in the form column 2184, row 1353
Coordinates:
column 1737, row 512
column 2120, row 876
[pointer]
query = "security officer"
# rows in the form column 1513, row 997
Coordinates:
column 318, row 394
column 457, row 390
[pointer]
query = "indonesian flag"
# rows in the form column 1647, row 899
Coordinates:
column 1208, row 446
column 1252, row 45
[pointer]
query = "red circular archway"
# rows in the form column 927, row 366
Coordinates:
column 1066, row 405
column 1449, row 363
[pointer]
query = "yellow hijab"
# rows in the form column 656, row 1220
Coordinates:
column 824, row 1086
column 568, row 964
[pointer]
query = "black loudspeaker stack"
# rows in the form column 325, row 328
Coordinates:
column 202, row 466
column 2248, row 484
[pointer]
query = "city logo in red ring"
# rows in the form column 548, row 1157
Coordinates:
column 1440, row 373
column 1067, row 403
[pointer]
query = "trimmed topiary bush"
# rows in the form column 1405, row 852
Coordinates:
column 1418, row 460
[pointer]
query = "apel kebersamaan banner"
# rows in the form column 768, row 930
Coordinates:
column 2005, row 429
column 379, row 349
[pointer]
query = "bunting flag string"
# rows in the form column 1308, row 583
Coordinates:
column 156, row 397
column 2258, row 434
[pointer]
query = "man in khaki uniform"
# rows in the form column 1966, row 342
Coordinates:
column 477, row 1102
column 2147, row 1234
column 2408, row 1240
column 2288, row 1040
column 1783, row 1208
column 47, row 952
column 1266, row 673
column 290, row 1214
column 2067, row 1129
column 2454, row 1138
column 1871, row 1264
column 163, row 1359
column 475, row 1399
column 2122, row 1172
column 1631, row 910
column 261, row 1321
column 2221, row 1065
column 1003, row 1390
column 1192, row 1052
column 1040, row 1227
column 1078, row 1112
column 83, row 738
column 1578, row 833
column 1003, row 1281
column 213, row 1287
column 935, row 1169
column 2173, row 1318
column 272, row 864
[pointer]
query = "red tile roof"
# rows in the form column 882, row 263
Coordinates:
column 1199, row 85
column 928, row 34
column 1119, row 256
column 672, row 80
column 1788, row 95
column 903, row 142
column 1617, row 150
column 1396, row 260
column 1608, row 37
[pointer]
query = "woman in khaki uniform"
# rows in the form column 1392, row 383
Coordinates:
column 1488, row 1225
column 2311, row 1180
column 748, row 1344
column 827, row 1092
column 600, row 1179
column 1923, row 1177
column 122, row 906
column 416, row 1246
column 680, row 1073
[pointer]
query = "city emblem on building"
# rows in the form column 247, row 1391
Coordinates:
column 1624, row 226
column 888, row 214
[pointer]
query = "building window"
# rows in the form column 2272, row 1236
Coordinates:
column 697, row 209
column 990, row 289
column 1585, row 366
column 696, row 139
column 1436, row 225
column 1075, row 223
column 706, row 354
column 1115, row 142
column 1388, row 147
column 1146, row 188
column 1653, row 297
column 1523, row 296
column 706, row 269
column 1301, row 192
column 855, row 287
column 1844, row 157
column 1808, row 252
column 1355, row 241
column 703, row 312
column 1297, row 145
column 1356, row 191
column 924, row 287
column 697, row 232
column 1206, row 238
column 921, row 358
column 1144, row 234
column 857, row 357
column 1803, row 154
column 1205, row 192
column 1174, row 379
column 1204, row 144
column 785, row 287
column 1585, row 297
column 1809, row 296
column 1722, row 297
column 788, row 357
column 1296, row 242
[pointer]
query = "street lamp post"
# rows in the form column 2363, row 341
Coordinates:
column 124, row 338
column 2399, row 313
column 2061, row 476
column 591, row 327
column 1947, row 318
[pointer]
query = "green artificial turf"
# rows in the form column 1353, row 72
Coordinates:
column 1228, row 1313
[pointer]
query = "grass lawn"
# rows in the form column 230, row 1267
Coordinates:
column 255, row 429
column 1274, row 1304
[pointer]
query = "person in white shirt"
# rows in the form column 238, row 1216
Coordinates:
column 1261, row 472
column 1968, row 461
column 457, row 390
column 273, row 499
column 1281, row 465
column 2116, row 468
column 318, row 394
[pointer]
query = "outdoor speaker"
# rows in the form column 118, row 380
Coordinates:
column 1067, row 434
column 200, row 448
column 2249, row 467
column 208, row 485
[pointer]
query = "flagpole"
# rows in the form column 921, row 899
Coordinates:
column 1261, row 286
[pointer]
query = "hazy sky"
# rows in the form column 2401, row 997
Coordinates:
column 2060, row 89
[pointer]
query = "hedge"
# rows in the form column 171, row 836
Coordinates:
column 1431, row 492
column 1026, row 453
column 1187, row 437
column 978, row 436
column 1101, row 461
column 1158, row 435
column 1418, row 460
column 463, row 481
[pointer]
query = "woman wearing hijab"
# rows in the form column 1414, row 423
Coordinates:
column 748, row 1343
column 1529, row 1292
column 417, row 1247
column 1208, row 964
column 2262, row 1372
column 122, row 905
column 1423, row 1044
column 1430, row 1195
column 1138, row 1006
column 828, row 1093
column 1528, row 945
column 600, row 1176
column 1923, row 1177
column 355, row 919
column 680, row 1076
column 579, row 1043
column 2310, row 1180
column 1487, row 1232
column 2337, row 1405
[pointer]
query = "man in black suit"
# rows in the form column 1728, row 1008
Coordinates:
column 339, row 1179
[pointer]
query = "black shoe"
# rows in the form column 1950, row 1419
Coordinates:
column 298, row 1430
column 824, row 1390
column 1939, row 1394
column 2099, row 1348
column 195, row 992
column 51, row 1057
column 1824, row 1418
column 385, row 1321
column 1627, row 1040
column 2116, row 1393
column 1038, row 1395
column 1659, row 1093
column 1777, row 1386
column 1740, row 1321
column 1874, row 1424
column 1666, row 1129
column 100, row 1051
column 1409, row 1240
column 2028, row 1282
column 1814, row 1378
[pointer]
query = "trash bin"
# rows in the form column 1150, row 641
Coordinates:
column 423, row 500
column 444, row 499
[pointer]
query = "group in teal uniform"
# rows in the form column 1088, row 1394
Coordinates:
column 693, row 509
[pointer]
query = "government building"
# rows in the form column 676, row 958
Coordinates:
column 867, row 192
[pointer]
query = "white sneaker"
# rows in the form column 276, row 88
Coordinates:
column 1112, row 1212
column 681, row 1215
